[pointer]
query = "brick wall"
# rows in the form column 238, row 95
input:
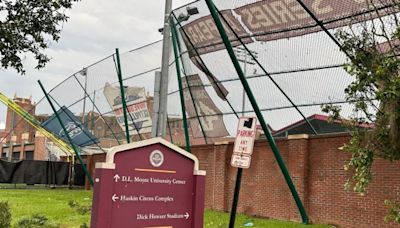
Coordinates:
column 15, row 122
column 329, row 203
column 316, row 167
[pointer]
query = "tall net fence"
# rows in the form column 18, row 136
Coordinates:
column 288, row 51
column 292, row 65
column 93, row 95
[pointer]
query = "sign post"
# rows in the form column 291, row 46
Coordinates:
column 150, row 183
column 241, row 157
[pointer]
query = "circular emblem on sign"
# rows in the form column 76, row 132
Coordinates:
column 156, row 158
column 73, row 130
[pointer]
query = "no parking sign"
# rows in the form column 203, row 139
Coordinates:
column 244, row 142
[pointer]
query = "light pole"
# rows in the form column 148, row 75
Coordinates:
column 160, row 103
column 166, row 48
column 83, row 72
column 242, row 54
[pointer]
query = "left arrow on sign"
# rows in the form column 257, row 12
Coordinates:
column 116, row 177
column 114, row 197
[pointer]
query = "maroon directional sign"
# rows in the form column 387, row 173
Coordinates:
column 149, row 184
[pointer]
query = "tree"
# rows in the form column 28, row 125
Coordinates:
column 27, row 26
column 375, row 96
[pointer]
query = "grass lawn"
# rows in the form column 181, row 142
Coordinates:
column 220, row 219
column 53, row 203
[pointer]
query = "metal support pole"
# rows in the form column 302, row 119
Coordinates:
column 71, row 174
column 202, row 62
column 68, row 137
column 321, row 24
column 10, row 153
column 254, row 104
column 170, row 133
column 244, row 92
column 84, row 74
column 162, row 122
column 121, row 86
column 269, row 76
column 196, row 109
column 94, row 102
column 93, row 107
column 178, row 74
column 156, row 104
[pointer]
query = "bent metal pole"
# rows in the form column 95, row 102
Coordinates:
column 121, row 87
column 68, row 137
column 259, row 115
column 181, row 95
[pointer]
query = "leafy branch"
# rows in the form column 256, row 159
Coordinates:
column 28, row 27
column 375, row 98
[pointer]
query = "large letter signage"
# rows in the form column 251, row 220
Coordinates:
column 151, row 183
column 267, row 20
column 210, row 116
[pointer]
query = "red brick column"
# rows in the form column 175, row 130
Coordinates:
column 22, row 152
column 220, row 154
column 90, row 165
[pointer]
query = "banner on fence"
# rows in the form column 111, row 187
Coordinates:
column 271, row 20
column 139, row 118
column 218, row 87
column 204, row 36
column 79, row 134
column 210, row 116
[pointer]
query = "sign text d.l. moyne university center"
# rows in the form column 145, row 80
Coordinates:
column 151, row 183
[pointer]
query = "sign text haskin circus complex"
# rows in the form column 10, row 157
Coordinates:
column 151, row 183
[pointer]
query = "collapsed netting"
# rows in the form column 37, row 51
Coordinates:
column 84, row 93
column 293, row 67
column 287, row 49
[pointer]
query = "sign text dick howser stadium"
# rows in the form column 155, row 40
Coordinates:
column 151, row 183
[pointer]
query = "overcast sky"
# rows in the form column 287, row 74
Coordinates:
column 94, row 30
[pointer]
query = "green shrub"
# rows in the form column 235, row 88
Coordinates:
column 5, row 215
column 394, row 211
column 36, row 221
column 81, row 209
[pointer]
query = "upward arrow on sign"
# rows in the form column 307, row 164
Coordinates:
column 116, row 177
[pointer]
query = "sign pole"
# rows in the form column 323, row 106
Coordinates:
column 241, row 157
column 235, row 198
column 254, row 104
column 68, row 137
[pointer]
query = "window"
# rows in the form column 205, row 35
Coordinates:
column 5, row 152
column 28, row 155
column 15, row 156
